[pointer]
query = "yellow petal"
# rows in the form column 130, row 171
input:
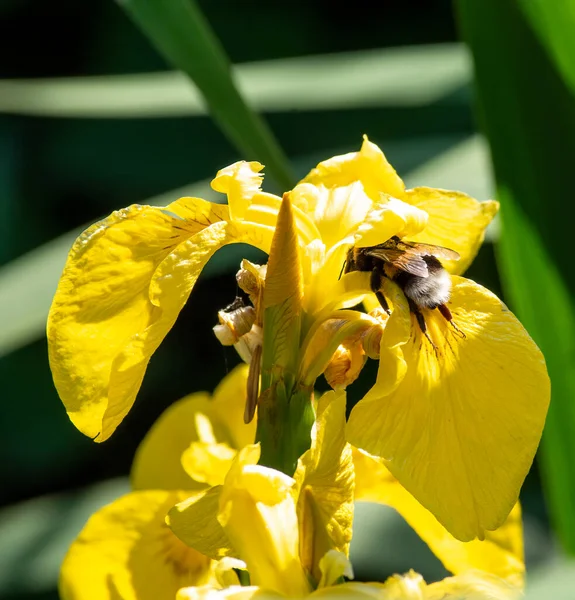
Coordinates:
column 157, row 463
column 158, row 460
column 408, row 587
column 334, row 566
column 208, row 463
column 103, row 326
column 126, row 550
column 472, row 586
column 456, row 221
column 226, row 571
column 388, row 217
column 458, row 425
column 369, row 166
column 123, row 286
column 325, row 483
column 501, row 553
column 335, row 211
column 227, row 409
column 241, row 182
column 258, row 513
column 236, row 592
column 195, row 522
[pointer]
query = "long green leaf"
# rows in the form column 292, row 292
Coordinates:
column 410, row 76
column 528, row 112
column 179, row 31
column 554, row 22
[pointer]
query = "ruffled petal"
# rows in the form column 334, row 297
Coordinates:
column 123, row 286
column 102, row 302
column 369, row 166
column 241, row 182
column 501, row 553
column 325, row 483
column 456, row 221
column 458, row 424
column 389, row 217
column 126, row 550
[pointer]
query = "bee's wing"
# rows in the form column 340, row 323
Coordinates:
column 406, row 261
column 427, row 249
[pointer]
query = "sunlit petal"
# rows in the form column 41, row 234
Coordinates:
column 369, row 166
column 458, row 424
column 107, row 317
column 456, row 221
column 501, row 553
column 335, row 211
column 127, row 550
column 241, row 182
column 389, row 217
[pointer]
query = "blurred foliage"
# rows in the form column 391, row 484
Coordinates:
column 532, row 139
column 58, row 174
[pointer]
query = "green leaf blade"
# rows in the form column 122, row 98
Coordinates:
column 528, row 113
column 178, row 29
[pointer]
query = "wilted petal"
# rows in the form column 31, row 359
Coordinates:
column 458, row 424
column 501, row 553
column 127, row 550
column 456, row 221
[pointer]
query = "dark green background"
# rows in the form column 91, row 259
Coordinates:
column 57, row 174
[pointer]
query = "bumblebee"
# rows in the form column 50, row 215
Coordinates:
column 414, row 267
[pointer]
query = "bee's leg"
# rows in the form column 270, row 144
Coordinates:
column 375, row 284
column 420, row 321
column 444, row 310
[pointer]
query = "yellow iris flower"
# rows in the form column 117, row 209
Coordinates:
column 126, row 549
column 292, row 534
column 456, row 418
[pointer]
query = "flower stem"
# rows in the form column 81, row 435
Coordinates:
column 285, row 420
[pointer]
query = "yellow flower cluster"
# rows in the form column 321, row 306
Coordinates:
column 289, row 535
column 445, row 436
